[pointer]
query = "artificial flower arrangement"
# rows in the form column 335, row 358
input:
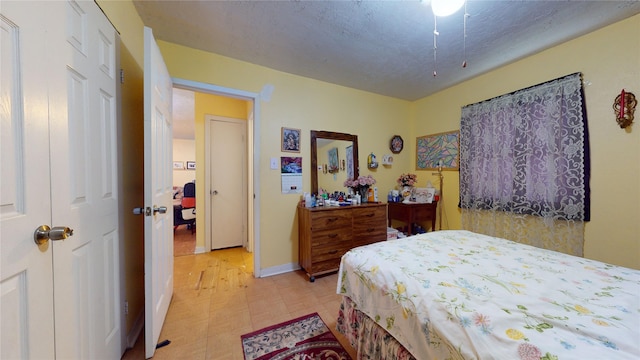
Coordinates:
column 360, row 182
column 408, row 179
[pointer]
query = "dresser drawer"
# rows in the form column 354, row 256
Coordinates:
column 327, row 220
column 370, row 215
column 369, row 220
column 332, row 237
column 328, row 251
column 325, row 266
column 369, row 236
column 426, row 212
column 372, row 232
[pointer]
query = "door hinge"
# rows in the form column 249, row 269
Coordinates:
column 126, row 307
column 121, row 76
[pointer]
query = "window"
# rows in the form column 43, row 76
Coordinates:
column 527, row 154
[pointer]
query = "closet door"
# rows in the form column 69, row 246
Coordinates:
column 83, row 128
column 60, row 299
column 26, row 278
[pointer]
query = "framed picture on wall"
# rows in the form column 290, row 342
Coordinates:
column 290, row 140
column 191, row 165
column 438, row 151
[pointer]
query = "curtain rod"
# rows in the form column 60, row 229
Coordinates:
column 527, row 88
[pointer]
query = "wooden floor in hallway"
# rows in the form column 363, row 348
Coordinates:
column 216, row 299
column 184, row 241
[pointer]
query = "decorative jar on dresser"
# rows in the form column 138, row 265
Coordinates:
column 327, row 233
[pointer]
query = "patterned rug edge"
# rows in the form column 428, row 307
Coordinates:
column 282, row 324
column 284, row 341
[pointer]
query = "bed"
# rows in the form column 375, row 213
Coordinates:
column 462, row 295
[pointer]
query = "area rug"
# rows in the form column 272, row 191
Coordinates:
column 304, row 338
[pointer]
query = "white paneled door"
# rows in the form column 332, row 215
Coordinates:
column 227, row 170
column 59, row 299
column 158, row 191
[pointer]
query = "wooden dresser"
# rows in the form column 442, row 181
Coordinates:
column 327, row 233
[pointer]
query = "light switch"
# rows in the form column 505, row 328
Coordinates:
column 274, row 163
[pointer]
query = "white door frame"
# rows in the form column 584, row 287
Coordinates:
column 253, row 162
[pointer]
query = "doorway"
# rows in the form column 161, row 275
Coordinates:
column 252, row 201
column 184, row 172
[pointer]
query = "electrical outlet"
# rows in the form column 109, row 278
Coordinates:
column 274, row 163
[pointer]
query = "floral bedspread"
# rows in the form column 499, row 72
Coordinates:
column 461, row 295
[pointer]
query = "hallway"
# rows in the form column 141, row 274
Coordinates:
column 184, row 241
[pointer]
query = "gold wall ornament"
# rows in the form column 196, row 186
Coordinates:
column 624, row 106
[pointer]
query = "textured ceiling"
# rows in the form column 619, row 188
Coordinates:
column 384, row 47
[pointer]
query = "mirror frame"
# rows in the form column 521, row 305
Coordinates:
column 329, row 135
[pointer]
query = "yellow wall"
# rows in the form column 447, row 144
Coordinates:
column 609, row 60
column 210, row 104
column 304, row 104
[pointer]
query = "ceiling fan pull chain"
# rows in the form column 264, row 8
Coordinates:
column 435, row 44
column 464, row 40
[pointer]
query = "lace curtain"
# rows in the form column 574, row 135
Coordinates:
column 524, row 166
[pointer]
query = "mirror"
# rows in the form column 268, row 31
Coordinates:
column 323, row 146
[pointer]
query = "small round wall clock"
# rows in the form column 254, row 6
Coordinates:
column 396, row 144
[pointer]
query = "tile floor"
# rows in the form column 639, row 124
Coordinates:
column 216, row 299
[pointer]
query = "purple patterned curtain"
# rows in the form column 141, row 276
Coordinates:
column 524, row 166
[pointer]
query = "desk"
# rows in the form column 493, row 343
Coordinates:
column 412, row 213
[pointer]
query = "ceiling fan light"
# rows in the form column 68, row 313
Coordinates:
column 446, row 7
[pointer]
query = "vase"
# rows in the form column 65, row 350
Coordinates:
column 364, row 193
column 407, row 193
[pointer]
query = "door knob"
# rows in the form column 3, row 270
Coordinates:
column 214, row 192
column 161, row 210
column 44, row 233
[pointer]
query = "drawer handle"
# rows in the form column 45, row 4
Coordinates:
column 332, row 219
column 371, row 215
column 333, row 252
column 333, row 235
column 371, row 229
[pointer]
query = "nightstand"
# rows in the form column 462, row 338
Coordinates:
column 411, row 213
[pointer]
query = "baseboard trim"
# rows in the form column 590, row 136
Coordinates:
column 280, row 269
column 199, row 250
column 136, row 330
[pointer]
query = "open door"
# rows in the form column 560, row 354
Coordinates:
column 158, row 211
